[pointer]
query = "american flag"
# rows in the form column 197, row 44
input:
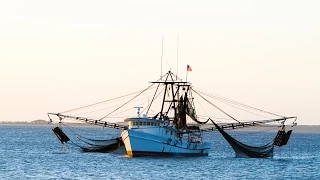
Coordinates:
column 189, row 68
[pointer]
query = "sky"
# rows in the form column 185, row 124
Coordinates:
column 59, row 55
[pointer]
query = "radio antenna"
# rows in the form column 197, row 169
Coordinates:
column 177, row 57
column 161, row 56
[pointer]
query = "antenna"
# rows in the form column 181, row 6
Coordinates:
column 177, row 56
column 138, row 108
column 161, row 56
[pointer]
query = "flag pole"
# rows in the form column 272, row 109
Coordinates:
column 187, row 76
column 188, row 69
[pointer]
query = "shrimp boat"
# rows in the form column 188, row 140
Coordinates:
column 176, row 129
column 164, row 134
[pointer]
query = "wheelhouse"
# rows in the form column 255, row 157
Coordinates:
column 143, row 122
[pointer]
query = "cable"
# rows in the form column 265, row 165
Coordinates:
column 237, row 103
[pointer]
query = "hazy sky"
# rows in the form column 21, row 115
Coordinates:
column 62, row 54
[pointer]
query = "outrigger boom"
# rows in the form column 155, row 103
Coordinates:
column 90, row 121
column 223, row 126
column 247, row 124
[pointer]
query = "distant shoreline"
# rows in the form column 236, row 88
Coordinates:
column 43, row 124
column 298, row 128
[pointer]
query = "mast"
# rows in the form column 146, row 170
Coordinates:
column 164, row 96
column 174, row 100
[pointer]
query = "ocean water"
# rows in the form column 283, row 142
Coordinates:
column 33, row 152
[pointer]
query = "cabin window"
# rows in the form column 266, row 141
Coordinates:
column 140, row 123
column 151, row 123
column 144, row 123
column 148, row 123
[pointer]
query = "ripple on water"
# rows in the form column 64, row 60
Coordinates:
column 35, row 153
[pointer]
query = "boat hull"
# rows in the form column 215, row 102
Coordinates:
column 139, row 143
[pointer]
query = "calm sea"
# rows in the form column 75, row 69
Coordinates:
column 33, row 152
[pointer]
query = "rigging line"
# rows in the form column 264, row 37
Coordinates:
column 165, row 91
column 278, row 150
column 117, row 117
column 172, row 79
column 215, row 105
column 81, row 139
column 74, row 144
column 202, row 108
column 98, row 103
column 176, row 76
column 238, row 103
column 217, row 119
column 256, row 132
column 131, row 99
column 174, row 95
column 154, row 98
column 78, row 129
column 129, row 109
column 106, row 107
column 227, row 101
column 77, row 135
column 205, row 117
column 92, row 121
column 95, row 142
column 244, row 110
